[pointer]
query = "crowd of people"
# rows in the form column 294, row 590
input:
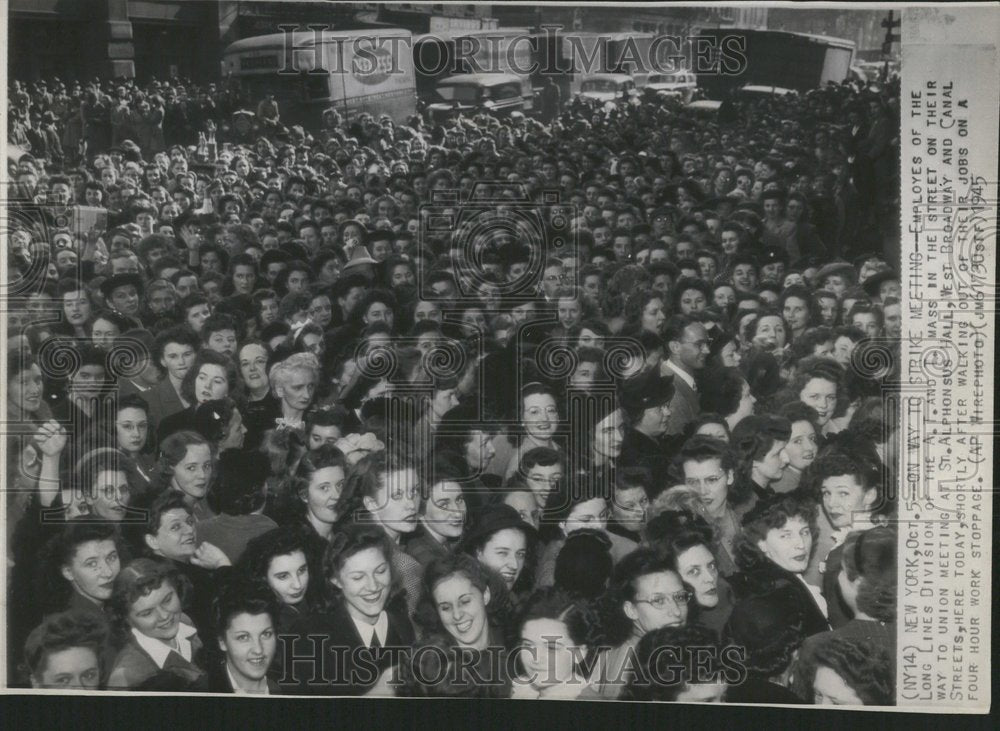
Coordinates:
column 317, row 411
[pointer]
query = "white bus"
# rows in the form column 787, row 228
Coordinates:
column 308, row 72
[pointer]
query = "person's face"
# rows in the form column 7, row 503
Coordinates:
column 540, row 416
column 223, row 341
column 426, row 310
column 249, row 643
column 698, row 569
column 211, row 382
column 867, row 322
column 730, row 242
column 505, row 552
column 66, row 261
column 461, row 606
column 364, row 580
column 692, row 300
column 653, row 316
column 298, row 389
column 111, row 491
column 551, row 278
column 131, row 429
column 548, row 652
column 104, row 333
column 789, row 546
column 93, row 568
column 193, row 473
column 197, row 315
column 297, row 282
column 893, row 321
column 663, row 588
column 609, row 435
column 835, row 283
column 395, row 504
column 828, row 310
column 730, row 355
column 158, row 613
column 177, row 358
column 243, row 279
column 829, row 689
column 724, row 297
column 843, row 347
column 125, row 299
column 796, row 313
column 821, row 394
column 843, row 496
column 76, row 307
column 522, row 313
column 772, row 465
column 288, row 577
column 745, row 277
column 714, row 430
column 802, row 445
column 72, row 668
column 693, row 347
column 479, row 450
column 711, row 482
column 543, row 481
column 253, row 365
column 589, row 514
column 323, row 493
column 378, row 312
column 445, row 510
column 629, row 507
column 771, row 334
column 402, row 274
column 526, row 506
column 568, row 312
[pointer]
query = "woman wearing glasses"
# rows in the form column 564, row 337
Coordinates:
column 645, row 594
column 539, row 420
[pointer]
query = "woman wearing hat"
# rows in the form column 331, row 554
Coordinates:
column 503, row 543
column 368, row 616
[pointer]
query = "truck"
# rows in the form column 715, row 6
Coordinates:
column 354, row 72
column 744, row 57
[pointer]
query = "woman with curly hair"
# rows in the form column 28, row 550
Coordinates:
column 187, row 466
column 285, row 562
column 383, row 491
column 212, row 376
column 368, row 615
column 645, row 593
column 67, row 651
column 293, row 382
column 78, row 567
column 691, row 296
column 559, row 634
column 818, row 382
column 844, row 671
column 799, row 310
column 761, row 458
column 147, row 610
column 313, row 495
column 645, row 311
column 773, row 553
column 678, row 663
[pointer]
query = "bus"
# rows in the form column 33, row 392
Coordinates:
column 771, row 58
column 354, row 72
column 437, row 56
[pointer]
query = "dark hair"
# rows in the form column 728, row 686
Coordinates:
column 62, row 631
column 53, row 591
column 753, row 438
column 623, row 587
column 180, row 334
column 872, row 555
column 138, row 579
column 580, row 617
column 235, row 596
column 351, row 540
column 766, row 515
column 290, row 504
column 283, row 541
column 173, row 449
column 667, row 659
column 209, row 357
column 441, row 669
column 584, row 564
column 701, row 448
column 865, row 667
column 722, row 390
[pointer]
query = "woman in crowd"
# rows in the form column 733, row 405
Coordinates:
column 147, row 610
column 802, row 446
column 502, row 542
column 442, row 518
column 212, row 376
column 368, row 614
column 844, row 671
column 313, row 496
column 293, row 382
column 261, row 407
column 558, row 634
column 186, row 466
column 67, row 651
column 645, row 594
column 538, row 422
column 700, row 668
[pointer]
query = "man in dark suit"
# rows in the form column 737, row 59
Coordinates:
column 687, row 342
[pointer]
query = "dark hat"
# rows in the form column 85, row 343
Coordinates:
column 770, row 628
column 210, row 420
column 763, row 373
column 874, row 282
column 584, row 563
column 646, row 391
column 773, row 255
column 495, row 518
column 842, row 268
column 112, row 283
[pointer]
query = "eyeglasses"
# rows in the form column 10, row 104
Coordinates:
column 709, row 481
column 680, row 599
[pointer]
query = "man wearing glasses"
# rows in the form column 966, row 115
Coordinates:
column 687, row 340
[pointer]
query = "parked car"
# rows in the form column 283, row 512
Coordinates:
column 679, row 85
column 469, row 94
column 607, row 87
